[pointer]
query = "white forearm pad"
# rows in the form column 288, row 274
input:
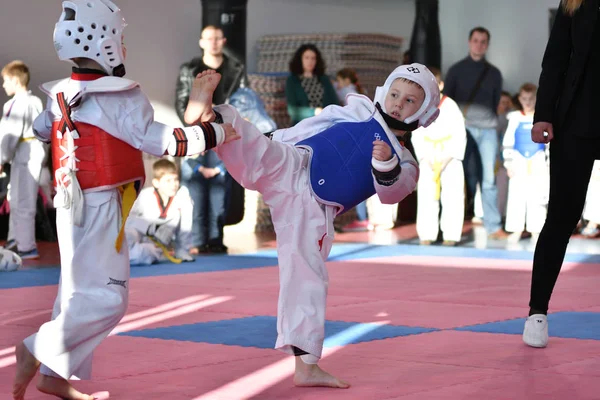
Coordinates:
column 195, row 139
column 385, row 166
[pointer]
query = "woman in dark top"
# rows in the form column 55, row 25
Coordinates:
column 308, row 90
column 566, row 116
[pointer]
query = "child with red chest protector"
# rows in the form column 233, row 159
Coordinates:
column 98, row 124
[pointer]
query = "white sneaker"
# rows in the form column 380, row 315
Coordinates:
column 514, row 237
column 535, row 333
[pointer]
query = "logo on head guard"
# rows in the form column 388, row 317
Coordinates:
column 112, row 281
column 414, row 70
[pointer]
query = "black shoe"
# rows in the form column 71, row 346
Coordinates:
column 202, row 249
column 217, row 248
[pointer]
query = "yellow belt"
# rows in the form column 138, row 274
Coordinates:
column 128, row 196
column 437, row 166
column 166, row 252
column 26, row 139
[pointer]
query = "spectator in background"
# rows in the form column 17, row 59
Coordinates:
column 591, row 212
column 505, row 105
column 440, row 149
column 26, row 154
column 476, row 86
column 212, row 42
column 161, row 219
column 527, row 167
column 346, row 83
column 204, row 175
column 407, row 57
column 308, row 90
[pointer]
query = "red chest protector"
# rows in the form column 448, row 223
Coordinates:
column 100, row 160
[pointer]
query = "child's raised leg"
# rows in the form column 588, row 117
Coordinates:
column 254, row 161
column 199, row 106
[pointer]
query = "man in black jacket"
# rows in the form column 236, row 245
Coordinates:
column 476, row 85
column 212, row 42
column 205, row 175
column 566, row 117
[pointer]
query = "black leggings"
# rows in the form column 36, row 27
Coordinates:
column 571, row 162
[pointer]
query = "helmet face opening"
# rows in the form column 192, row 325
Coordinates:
column 422, row 76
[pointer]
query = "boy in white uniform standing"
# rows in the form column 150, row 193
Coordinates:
column 99, row 124
column 161, row 216
column 19, row 147
column 307, row 174
column 527, row 167
column 440, row 149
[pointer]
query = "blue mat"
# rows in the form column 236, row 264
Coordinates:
column 268, row 258
column 573, row 325
column 261, row 332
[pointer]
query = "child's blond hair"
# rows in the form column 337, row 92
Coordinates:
column 163, row 167
column 17, row 69
column 528, row 88
column 570, row 6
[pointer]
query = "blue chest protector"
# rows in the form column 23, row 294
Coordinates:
column 340, row 164
column 523, row 143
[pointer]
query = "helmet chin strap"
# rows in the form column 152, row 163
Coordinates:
column 393, row 123
column 119, row 71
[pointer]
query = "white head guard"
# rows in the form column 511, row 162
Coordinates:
column 9, row 261
column 91, row 29
column 422, row 76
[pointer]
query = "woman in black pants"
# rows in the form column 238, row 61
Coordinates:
column 566, row 115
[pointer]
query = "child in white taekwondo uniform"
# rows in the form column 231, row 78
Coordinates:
column 19, row 147
column 161, row 216
column 98, row 124
column 313, row 171
column 527, row 167
column 440, row 149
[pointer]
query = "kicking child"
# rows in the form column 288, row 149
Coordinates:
column 308, row 174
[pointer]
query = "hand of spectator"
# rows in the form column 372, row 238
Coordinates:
column 215, row 172
column 381, row 151
column 162, row 233
column 209, row 173
column 230, row 133
column 542, row 132
column 510, row 172
column 318, row 110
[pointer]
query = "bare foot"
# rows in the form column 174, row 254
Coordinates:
column 27, row 366
column 199, row 108
column 60, row 388
column 310, row 375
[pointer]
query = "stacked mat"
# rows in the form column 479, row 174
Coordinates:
column 271, row 89
column 372, row 56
